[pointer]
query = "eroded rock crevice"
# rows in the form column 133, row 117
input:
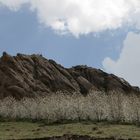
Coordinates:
column 34, row 75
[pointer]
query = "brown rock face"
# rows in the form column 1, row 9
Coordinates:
column 34, row 75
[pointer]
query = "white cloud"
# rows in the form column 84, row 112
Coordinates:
column 13, row 4
column 90, row 16
column 128, row 64
column 82, row 17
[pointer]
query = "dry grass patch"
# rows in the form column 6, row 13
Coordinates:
column 24, row 130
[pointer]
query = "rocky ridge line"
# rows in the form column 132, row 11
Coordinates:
column 34, row 75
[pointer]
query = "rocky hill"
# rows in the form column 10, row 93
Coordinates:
column 33, row 75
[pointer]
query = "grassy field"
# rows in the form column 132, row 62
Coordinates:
column 23, row 130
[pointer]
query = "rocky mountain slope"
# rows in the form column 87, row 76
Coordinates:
column 31, row 75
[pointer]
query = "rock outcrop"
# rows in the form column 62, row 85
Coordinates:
column 34, row 75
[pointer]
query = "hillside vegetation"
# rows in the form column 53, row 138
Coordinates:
column 97, row 106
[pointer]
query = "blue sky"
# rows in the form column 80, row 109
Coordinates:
column 108, row 40
column 21, row 32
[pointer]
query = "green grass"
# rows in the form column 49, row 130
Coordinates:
column 21, row 130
